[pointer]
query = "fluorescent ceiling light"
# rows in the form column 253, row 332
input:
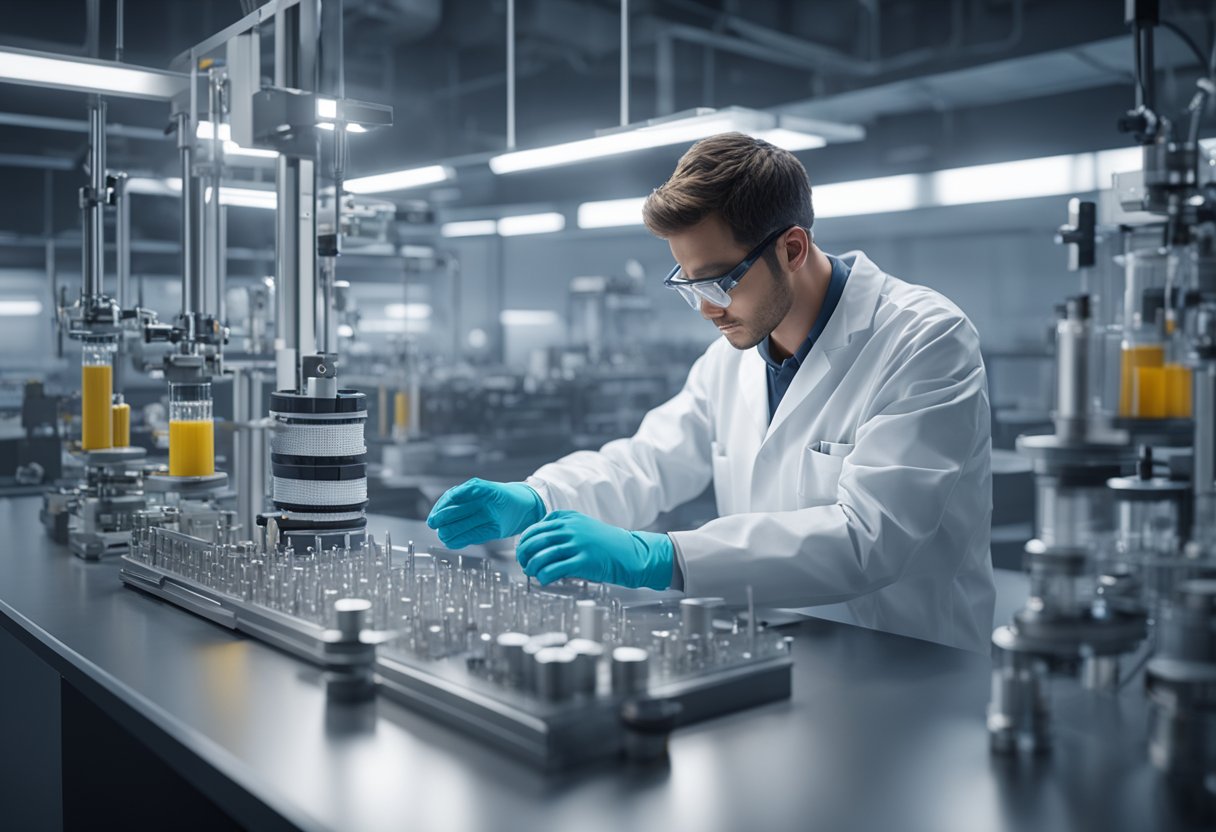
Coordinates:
column 408, row 311
column 417, row 252
column 41, row 69
column 350, row 128
column 241, row 197
column 791, row 140
column 399, row 180
column 545, row 223
column 346, row 331
column 393, row 327
column 866, row 196
column 1046, row 176
column 327, row 108
column 528, row 317
column 1077, row 173
column 231, row 148
column 611, row 213
column 799, row 134
column 20, row 308
column 469, row 228
column 154, row 187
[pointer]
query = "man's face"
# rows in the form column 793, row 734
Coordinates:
column 758, row 303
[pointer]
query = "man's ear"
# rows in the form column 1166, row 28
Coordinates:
column 796, row 246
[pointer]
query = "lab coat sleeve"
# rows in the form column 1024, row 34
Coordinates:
column 628, row 482
column 924, row 433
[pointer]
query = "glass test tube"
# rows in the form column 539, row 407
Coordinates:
column 191, row 431
column 96, row 390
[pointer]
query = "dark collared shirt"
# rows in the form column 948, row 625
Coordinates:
column 780, row 375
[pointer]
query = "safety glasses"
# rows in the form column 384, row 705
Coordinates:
column 716, row 290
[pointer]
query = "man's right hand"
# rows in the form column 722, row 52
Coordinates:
column 477, row 510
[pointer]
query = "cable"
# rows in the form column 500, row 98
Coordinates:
column 1185, row 38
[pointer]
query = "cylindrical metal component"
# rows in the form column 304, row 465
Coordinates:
column 554, row 671
column 697, row 616
column 592, row 619
column 586, row 664
column 192, row 300
column 510, row 656
column 1204, row 480
column 319, row 463
column 630, row 671
column 533, row 646
column 1100, row 673
column 95, row 219
column 1017, row 713
column 350, row 615
column 249, row 464
column 1072, row 370
column 122, row 245
column 215, row 212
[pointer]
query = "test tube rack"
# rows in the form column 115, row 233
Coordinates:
column 556, row 676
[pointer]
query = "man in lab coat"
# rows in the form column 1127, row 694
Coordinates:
column 842, row 418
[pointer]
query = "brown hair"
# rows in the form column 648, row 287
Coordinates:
column 755, row 187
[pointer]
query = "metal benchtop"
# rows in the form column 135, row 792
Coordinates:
column 882, row 732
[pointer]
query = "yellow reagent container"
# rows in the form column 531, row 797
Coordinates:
column 191, row 430
column 96, row 393
column 1141, row 393
column 121, row 416
column 191, row 448
column 401, row 410
column 96, row 388
column 1178, row 391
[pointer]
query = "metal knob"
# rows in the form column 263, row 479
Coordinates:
column 592, row 619
column 586, row 664
column 510, row 648
column 351, row 614
column 533, row 646
column 555, row 673
column 697, row 616
column 630, row 669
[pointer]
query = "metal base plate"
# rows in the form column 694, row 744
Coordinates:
column 547, row 735
column 106, row 457
column 165, row 484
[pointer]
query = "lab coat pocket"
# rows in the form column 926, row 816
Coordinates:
column 722, row 482
column 819, row 474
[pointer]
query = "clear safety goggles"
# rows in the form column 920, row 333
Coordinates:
column 716, row 290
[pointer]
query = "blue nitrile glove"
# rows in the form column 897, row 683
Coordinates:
column 478, row 510
column 567, row 544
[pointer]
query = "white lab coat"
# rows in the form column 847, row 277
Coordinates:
column 869, row 496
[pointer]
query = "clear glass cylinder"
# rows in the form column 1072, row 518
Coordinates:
column 191, row 431
column 1073, row 515
column 121, row 416
column 96, row 393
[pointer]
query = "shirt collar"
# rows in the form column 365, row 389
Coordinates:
column 840, row 272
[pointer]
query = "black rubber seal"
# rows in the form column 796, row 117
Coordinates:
column 289, row 459
column 321, row 473
column 347, row 401
column 302, row 509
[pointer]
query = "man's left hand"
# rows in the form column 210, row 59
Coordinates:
column 567, row 544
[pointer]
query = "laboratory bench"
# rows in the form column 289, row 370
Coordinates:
column 121, row 711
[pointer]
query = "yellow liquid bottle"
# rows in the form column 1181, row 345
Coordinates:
column 1142, row 382
column 96, row 393
column 191, row 431
column 401, row 410
column 1178, row 391
column 191, row 448
column 122, row 424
